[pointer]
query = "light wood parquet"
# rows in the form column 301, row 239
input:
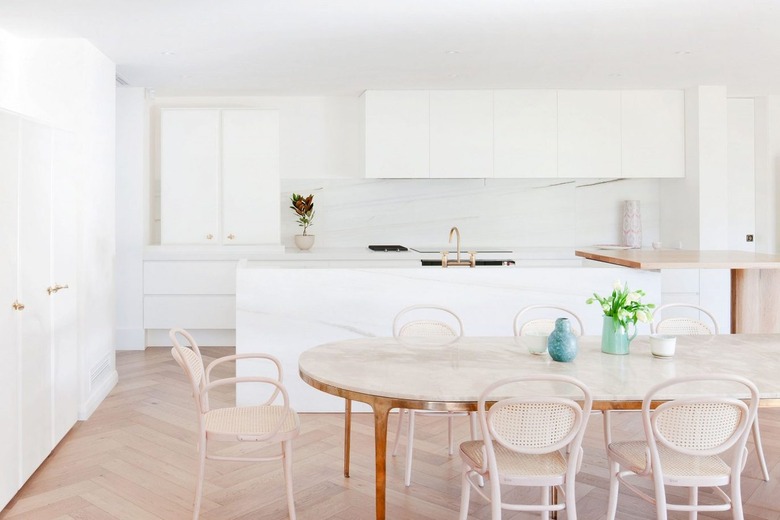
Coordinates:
column 135, row 459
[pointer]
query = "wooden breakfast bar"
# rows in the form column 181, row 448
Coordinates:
column 755, row 279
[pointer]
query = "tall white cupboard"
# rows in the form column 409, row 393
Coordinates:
column 219, row 176
column 39, row 375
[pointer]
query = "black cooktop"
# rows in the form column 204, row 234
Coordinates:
column 387, row 248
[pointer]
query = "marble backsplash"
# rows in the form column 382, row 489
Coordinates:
column 489, row 212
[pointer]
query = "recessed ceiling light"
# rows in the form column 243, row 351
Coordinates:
column 452, row 52
column 615, row 75
column 682, row 53
column 168, row 53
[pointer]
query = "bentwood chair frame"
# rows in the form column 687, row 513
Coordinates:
column 543, row 325
column 684, row 439
column 267, row 423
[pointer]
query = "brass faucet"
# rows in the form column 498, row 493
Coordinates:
column 445, row 262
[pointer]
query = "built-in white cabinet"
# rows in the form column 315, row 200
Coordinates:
column 39, row 375
column 589, row 133
column 461, row 141
column 525, row 133
column 219, row 176
column 652, row 129
column 397, row 133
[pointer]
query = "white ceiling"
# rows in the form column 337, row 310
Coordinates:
column 342, row 47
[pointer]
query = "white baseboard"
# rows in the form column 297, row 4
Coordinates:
column 204, row 337
column 98, row 394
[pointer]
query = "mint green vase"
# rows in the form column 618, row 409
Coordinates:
column 614, row 337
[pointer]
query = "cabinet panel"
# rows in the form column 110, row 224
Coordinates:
column 461, row 133
column 397, row 129
column 250, row 177
column 653, row 133
column 193, row 277
column 10, row 478
column 34, row 265
column 525, row 133
column 190, row 312
column 189, row 183
column 589, row 133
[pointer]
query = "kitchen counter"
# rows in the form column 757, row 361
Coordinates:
column 755, row 279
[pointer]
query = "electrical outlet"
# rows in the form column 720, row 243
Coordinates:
column 748, row 238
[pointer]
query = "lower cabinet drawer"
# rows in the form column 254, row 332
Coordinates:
column 190, row 311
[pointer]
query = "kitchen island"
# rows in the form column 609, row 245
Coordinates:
column 286, row 310
column 755, row 279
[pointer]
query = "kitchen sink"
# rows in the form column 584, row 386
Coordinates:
column 504, row 263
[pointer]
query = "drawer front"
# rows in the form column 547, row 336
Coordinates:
column 190, row 277
column 190, row 312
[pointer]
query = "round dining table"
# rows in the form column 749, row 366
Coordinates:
column 449, row 374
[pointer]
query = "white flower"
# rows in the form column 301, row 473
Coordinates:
column 632, row 297
column 642, row 316
column 617, row 286
column 605, row 307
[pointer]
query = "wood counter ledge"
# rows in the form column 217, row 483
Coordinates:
column 755, row 279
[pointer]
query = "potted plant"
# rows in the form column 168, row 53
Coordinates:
column 304, row 208
column 621, row 308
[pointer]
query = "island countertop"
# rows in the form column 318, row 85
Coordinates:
column 682, row 259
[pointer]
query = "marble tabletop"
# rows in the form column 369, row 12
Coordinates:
column 457, row 371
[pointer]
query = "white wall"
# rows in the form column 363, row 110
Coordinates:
column 132, row 151
column 767, row 112
column 69, row 84
column 741, row 174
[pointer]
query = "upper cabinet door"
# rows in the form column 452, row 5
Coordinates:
column 250, row 177
column 461, row 133
column 653, row 130
column 189, row 180
column 525, row 133
column 396, row 134
column 589, row 133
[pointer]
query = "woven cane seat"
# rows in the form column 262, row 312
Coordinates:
column 252, row 420
column 513, row 464
column 676, row 466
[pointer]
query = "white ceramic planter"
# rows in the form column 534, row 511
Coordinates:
column 304, row 242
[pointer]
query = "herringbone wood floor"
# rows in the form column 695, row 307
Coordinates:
column 135, row 459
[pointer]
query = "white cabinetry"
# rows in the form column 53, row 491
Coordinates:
column 219, row 172
column 588, row 133
column 461, row 133
column 525, row 139
column 39, row 376
column 653, row 133
column 397, row 134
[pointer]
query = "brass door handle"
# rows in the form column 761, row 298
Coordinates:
column 231, row 236
column 57, row 287
column 17, row 306
column 209, row 236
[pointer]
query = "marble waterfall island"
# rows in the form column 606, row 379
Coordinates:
column 286, row 311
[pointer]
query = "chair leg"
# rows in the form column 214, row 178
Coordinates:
column 545, row 500
column 409, row 449
column 465, row 493
column 495, row 500
column 693, row 499
column 287, row 451
column 201, row 475
column 614, row 489
column 401, row 413
column 571, row 500
column 736, row 499
column 450, row 436
column 473, row 425
column 760, row 449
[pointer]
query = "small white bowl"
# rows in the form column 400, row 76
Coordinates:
column 657, row 245
column 662, row 345
column 537, row 343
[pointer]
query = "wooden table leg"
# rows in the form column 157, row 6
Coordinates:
column 347, row 434
column 381, row 411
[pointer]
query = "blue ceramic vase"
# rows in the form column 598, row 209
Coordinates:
column 562, row 343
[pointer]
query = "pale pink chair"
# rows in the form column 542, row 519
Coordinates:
column 540, row 319
column 533, row 439
column 683, row 443
column 266, row 423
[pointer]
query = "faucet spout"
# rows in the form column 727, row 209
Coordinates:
column 457, row 233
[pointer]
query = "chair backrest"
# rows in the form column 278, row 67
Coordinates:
column 427, row 320
column 535, row 421
column 704, row 425
column 544, row 325
column 684, row 325
column 190, row 360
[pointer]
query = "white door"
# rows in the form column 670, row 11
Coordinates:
column 63, row 302
column 34, row 273
column 10, row 478
column 189, row 176
column 250, row 177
